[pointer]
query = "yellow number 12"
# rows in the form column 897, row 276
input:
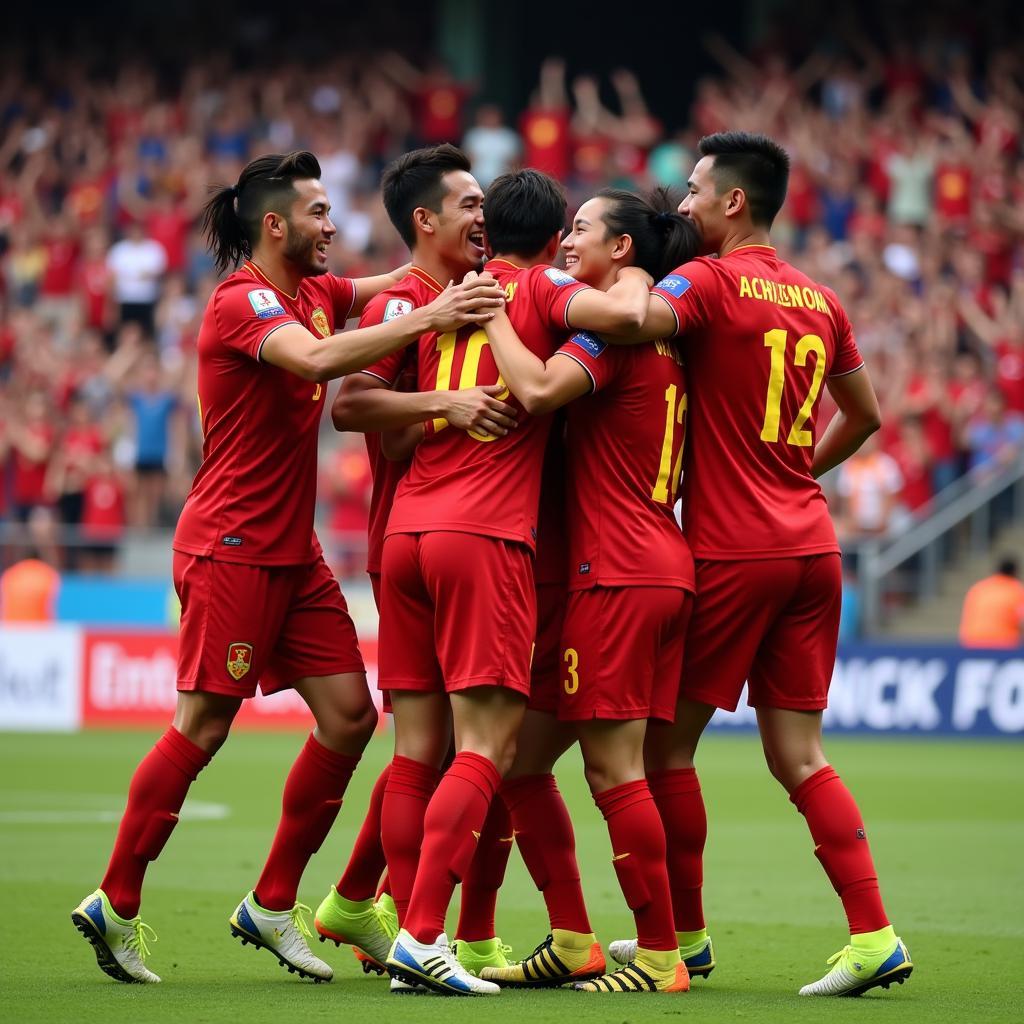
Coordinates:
column 675, row 413
column 776, row 341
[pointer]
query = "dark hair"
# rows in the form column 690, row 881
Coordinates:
column 233, row 215
column 415, row 179
column 522, row 211
column 1007, row 566
column 754, row 163
column 662, row 238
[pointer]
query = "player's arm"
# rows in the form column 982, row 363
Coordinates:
column 541, row 387
column 398, row 445
column 621, row 310
column 367, row 404
column 295, row 349
column 658, row 322
column 857, row 419
column 367, row 288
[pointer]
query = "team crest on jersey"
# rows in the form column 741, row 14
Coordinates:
column 239, row 659
column 590, row 344
column 320, row 322
column 265, row 303
column 558, row 277
column 396, row 308
column 674, row 284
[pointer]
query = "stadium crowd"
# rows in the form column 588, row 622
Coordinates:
column 907, row 197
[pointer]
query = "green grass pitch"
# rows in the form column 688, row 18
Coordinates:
column 945, row 820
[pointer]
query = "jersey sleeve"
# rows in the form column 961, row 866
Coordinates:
column 847, row 356
column 593, row 354
column 379, row 310
column 342, row 292
column 246, row 316
column 691, row 292
column 553, row 290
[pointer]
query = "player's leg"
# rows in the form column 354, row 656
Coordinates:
column 317, row 655
column 789, row 688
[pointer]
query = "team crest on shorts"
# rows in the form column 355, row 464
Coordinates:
column 239, row 659
column 319, row 318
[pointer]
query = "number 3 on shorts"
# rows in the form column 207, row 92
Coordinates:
column 572, row 663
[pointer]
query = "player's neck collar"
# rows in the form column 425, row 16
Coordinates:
column 421, row 275
column 501, row 259
column 256, row 272
column 752, row 245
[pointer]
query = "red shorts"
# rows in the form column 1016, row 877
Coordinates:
column 457, row 610
column 623, row 652
column 546, row 669
column 772, row 623
column 243, row 624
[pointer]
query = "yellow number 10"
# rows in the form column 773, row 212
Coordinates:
column 467, row 378
column 675, row 413
column 776, row 341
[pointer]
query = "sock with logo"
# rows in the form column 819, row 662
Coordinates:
column 155, row 796
column 484, row 876
column 366, row 863
column 638, row 845
column 544, row 835
column 451, row 828
column 311, row 801
column 407, row 793
column 681, row 806
column 842, row 847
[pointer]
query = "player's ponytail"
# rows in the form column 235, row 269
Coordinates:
column 232, row 218
column 662, row 238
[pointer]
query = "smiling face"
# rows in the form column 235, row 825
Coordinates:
column 458, row 228
column 705, row 207
column 309, row 229
column 589, row 248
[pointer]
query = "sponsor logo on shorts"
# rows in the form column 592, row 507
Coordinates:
column 239, row 659
column 320, row 322
column 559, row 277
column 396, row 308
column 584, row 568
column 265, row 303
column 674, row 284
column 590, row 344
column 231, row 542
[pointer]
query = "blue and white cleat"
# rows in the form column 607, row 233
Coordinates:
column 434, row 966
column 284, row 933
column 699, row 958
column 120, row 946
column 854, row 971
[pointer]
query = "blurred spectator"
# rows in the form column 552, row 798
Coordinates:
column 137, row 264
column 993, row 611
column 347, row 485
column 995, row 437
column 28, row 591
column 869, row 486
column 491, row 145
column 103, row 515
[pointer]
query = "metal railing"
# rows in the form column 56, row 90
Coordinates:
column 963, row 518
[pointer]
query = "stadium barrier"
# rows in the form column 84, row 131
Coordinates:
column 63, row 677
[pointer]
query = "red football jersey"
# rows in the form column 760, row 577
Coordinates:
column 253, row 498
column 550, row 564
column 625, row 455
column 463, row 481
column 760, row 339
column 416, row 289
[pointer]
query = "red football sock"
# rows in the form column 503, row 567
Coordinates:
column 385, row 884
column 544, row 834
column 366, row 863
column 451, row 827
column 311, row 801
column 409, row 788
column 155, row 796
column 842, row 847
column 638, row 843
column 484, row 876
column 681, row 806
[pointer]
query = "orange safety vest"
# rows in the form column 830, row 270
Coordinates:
column 993, row 613
column 28, row 592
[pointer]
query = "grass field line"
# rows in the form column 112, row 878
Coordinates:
column 193, row 810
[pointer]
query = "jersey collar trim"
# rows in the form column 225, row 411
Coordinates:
column 427, row 279
column 507, row 263
column 752, row 245
column 256, row 272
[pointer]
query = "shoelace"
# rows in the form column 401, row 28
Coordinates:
column 836, row 956
column 299, row 921
column 136, row 942
column 506, row 951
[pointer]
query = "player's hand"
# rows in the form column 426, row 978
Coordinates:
column 636, row 272
column 481, row 410
column 472, row 302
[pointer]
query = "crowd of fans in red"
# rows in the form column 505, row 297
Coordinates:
column 906, row 196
